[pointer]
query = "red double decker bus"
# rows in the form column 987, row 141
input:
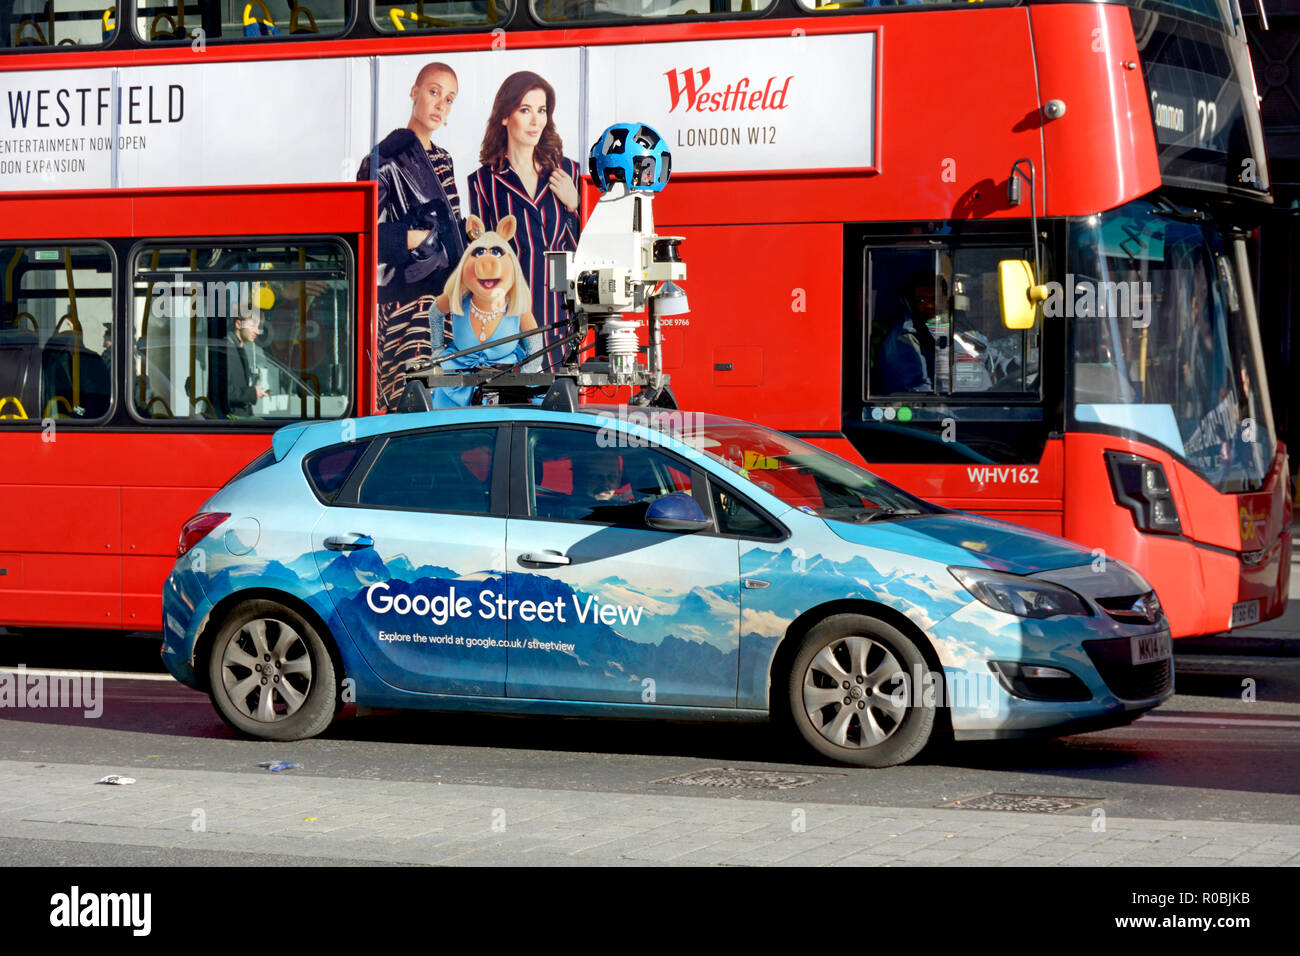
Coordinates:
column 867, row 193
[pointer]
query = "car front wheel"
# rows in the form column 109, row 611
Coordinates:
column 853, row 692
column 270, row 674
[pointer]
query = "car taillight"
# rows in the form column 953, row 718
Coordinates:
column 194, row 530
column 1140, row 486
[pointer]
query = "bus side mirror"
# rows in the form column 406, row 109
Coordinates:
column 1018, row 293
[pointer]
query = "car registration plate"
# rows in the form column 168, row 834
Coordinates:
column 1151, row 647
column 1247, row 612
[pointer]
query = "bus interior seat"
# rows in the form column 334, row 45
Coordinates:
column 259, row 26
column 76, row 374
column 20, row 374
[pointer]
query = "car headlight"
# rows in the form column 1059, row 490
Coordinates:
column 1023, row 597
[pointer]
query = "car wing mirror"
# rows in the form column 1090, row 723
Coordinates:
column 676, row 512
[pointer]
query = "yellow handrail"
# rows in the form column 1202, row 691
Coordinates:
column 417, row 17
column 30, row 318
column 249, row 19
column 78, row 340
column 54, row 403
column 297, row 10
column 158, row 400
column 153, row 26
column 72, row 321
column 7, row 399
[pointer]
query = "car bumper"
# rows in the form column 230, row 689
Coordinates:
column 1092, row 649
column 185, row 613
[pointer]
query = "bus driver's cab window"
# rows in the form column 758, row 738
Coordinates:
column 938, row 378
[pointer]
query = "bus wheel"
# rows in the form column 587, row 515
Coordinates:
column 852, row 694
column 270, row 674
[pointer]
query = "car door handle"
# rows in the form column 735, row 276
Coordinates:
column 349, row 542
column 545, row 557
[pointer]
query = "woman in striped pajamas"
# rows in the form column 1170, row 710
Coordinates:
column 526, row 175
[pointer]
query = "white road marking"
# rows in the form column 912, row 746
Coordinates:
column 106, row 675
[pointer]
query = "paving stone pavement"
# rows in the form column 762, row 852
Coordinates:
column 379, row 821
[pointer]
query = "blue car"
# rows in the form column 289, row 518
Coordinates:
column 628, row 562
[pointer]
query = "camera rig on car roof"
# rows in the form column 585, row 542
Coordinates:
column 621, row 267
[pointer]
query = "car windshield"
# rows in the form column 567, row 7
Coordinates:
column 801, row 475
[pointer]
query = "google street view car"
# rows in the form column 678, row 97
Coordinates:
column 640, row 563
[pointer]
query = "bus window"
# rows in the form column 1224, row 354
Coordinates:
column 242, row 333
column 56, row 24
column 986, row 356
column 417, row 16
column 930, row 373
column 56, row 321
column 936, row 326
column 560, row 11
column 162, row 21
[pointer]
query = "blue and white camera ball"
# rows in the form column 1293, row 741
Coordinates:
column 632, row 154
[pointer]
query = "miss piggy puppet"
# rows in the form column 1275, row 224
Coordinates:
column 486, row 298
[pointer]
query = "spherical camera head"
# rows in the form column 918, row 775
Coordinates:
column 632, row 154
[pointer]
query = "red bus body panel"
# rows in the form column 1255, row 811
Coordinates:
column 89, row 518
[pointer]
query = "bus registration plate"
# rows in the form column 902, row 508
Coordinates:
column 1151, row 647
column 1247, row 612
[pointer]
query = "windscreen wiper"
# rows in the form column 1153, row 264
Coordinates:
column 885, row 513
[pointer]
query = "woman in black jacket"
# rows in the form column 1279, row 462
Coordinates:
column 420, row 227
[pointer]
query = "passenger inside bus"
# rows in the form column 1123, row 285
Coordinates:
column 246, row 368
column 906, row 362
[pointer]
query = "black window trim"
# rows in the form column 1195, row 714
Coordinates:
column 349, row 494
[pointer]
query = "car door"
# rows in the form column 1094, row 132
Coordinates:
column 412, row 550
column 633, row 615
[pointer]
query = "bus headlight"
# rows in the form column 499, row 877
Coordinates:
column 1140, row 485
column 1021, row 596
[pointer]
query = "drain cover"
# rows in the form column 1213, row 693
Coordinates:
column 1022, row 803
column 745, row 779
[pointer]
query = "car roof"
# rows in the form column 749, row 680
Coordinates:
column 308, row 436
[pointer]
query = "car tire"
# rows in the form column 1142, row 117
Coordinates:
column 294, row 697
column 854, row 658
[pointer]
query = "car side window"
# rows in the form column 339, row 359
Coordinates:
column 447, row 470
column 573, row 477
column 735, row 516
column 328, row 470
